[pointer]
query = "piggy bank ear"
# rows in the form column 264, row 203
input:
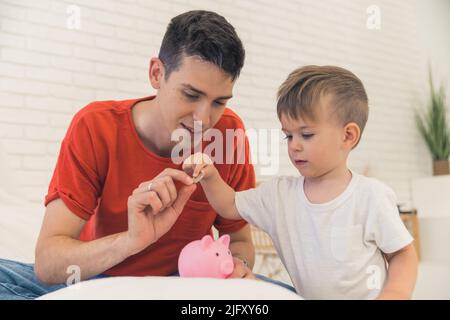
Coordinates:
column 225, row 240
column 206, row 241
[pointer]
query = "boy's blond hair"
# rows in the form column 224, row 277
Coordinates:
column 300, row 94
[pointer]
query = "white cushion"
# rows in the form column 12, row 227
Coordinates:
column 172, row 288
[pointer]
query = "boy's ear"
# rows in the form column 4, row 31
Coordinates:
column 352, row 133
column 156, row 72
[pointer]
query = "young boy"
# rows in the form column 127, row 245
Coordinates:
column 338, row 233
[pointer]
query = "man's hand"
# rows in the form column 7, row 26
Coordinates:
column 241, row 270
column 154, row 207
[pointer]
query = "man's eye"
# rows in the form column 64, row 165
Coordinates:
column 190, row 96
column 218, row 103
column 307, row 135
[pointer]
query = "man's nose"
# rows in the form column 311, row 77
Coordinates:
column 203, row 113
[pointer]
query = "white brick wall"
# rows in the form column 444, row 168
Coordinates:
column 48, row 72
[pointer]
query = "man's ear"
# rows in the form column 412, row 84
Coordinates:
column 352, row 133
column 156, row 72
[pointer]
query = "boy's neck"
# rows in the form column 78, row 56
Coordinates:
column 328, row 186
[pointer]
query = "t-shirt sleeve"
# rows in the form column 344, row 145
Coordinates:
column 385, row 226
column 75, row 179
column 241, row 177
column 257, row 206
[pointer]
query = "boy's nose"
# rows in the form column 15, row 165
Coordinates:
column 296, row 145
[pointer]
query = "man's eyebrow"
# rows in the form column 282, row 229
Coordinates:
column 188, row 86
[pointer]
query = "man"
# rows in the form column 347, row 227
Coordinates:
column 117, row 204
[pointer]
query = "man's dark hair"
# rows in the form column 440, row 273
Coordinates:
column 204, row 34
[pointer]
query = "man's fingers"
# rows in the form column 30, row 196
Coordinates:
column 183, row 196
column 144, row 187
column 165, row 177
column 170, row 215
column 177, row 175
column 144, row 199
column 172, row 190
column 154, row 202
column 163, row 194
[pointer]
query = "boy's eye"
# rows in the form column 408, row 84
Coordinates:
column 307, row 135
column 288, row 137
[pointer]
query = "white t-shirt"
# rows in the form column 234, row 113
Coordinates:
column 331, row 250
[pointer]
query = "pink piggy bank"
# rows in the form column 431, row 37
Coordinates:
column 206, row 258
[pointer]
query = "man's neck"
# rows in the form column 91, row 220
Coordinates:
column 151, row 130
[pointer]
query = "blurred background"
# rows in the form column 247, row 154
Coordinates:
column 57, row 56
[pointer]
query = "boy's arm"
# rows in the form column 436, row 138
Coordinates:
column 402, row 274
column 219, row 194
column 221, row 197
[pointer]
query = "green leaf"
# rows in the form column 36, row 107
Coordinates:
column 433, row 125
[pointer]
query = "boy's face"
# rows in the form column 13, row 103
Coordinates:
column 315, row 147
column 196, row 91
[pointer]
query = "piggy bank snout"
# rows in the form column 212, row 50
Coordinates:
column 226, row 267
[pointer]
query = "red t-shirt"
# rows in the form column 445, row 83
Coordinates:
column 102, row 160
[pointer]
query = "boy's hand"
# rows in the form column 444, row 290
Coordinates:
column 241, row 270
column 199, row 166
column 219, row 194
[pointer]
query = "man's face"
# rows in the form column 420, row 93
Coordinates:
column 196, row 91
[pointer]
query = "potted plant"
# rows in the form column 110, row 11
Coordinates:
column 434, row 128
